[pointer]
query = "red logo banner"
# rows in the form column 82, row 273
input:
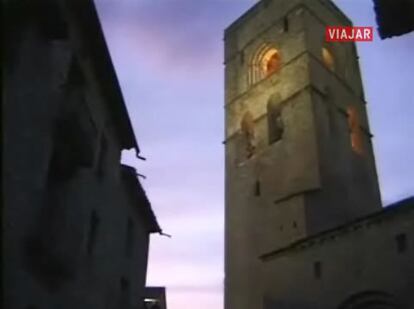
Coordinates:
column 349, row 34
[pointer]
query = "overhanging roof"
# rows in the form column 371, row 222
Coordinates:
column 84, row 14
column 394, row 17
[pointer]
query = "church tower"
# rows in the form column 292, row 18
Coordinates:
column 298, row 150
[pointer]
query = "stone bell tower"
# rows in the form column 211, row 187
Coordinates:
column 299, row 157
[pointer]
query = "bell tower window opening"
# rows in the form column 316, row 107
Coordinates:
column 285, row 24
column 264, row 63
column 257, row 188
column 275, row 122
column 355, row 130
column 328, row 58
column 271, row 62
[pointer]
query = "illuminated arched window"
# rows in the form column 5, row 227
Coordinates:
column 247, row 129
column 355, row 130
column 271, row 62
column 265, row 62
column 328, row 58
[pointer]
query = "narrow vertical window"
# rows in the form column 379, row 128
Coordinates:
column 275, row 123
column 125, row 293
column 285, row 24
column 93, row 228
column 242, row 57
column 317, row 270
column 401, row 241
column 100, row 169
column 257, row 188
column 124, row 283
column 331, row 109
column 129, row 238
column 355, row 130
column 247, row 128
column 328, row 58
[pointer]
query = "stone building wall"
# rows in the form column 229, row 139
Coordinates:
column 367, row 261
column 312, row 176
column 76, row 232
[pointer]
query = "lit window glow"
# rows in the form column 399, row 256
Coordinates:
column 355, row 130
column 271, row 62
column 266, row 61
column 328, row 59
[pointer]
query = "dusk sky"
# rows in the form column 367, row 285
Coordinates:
column 168, row 55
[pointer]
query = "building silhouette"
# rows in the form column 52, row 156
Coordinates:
column 394, row 18
column 304, row 224
column 76, row 222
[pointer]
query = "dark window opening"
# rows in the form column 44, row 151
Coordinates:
column 242, row 57
column 129, row 238
column 102, row 155
column 332, row 120
column 93, row 229
column 257, row 188
column 124, row 283
column 317, row 270
column 275, row 122
column 125, row 293
column 285, row 24
column 401, row 240
column 281, row 228
column 294, row 224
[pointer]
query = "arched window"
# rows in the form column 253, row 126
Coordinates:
column 93, row 229
column 265, row 62
column 247, row 129
column 328, row 58
column 271, row 62
column 355, row 130
column 370, row 300
column 274, row 121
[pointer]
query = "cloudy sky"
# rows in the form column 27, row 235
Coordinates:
column 168, row 55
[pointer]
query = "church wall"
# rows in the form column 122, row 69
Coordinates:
column 251, row 217
column 292, row 169
column 359, row 258
column 290, row 44
column 258, row 19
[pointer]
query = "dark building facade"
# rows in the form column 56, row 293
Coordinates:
column 304, row 224
column 394, row 18
column 76, row 223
